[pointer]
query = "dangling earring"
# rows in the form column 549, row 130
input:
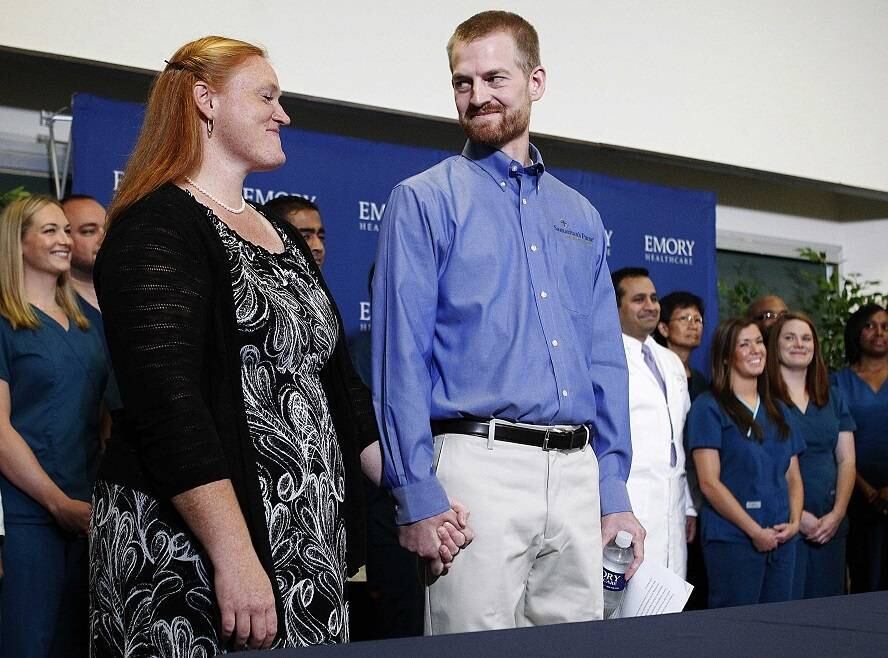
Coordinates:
column 209, row 128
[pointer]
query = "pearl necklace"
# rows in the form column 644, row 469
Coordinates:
column 233, row 211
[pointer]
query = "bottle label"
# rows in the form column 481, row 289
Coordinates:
column 615, row 582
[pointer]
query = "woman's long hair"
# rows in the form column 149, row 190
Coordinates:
column 817, row 376
column 856, row 322
column 15, row 219
column 724, row 342
column 169, row 145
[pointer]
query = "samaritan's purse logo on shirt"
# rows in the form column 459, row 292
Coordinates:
column 564, row 227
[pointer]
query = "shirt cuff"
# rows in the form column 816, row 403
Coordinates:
column 419, row 500
column 690, row 511
column 614, row 496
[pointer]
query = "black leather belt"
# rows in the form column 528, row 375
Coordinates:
column 547, row 439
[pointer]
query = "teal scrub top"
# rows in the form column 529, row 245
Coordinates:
column 870, row 412
column 56, row 382
column 820, row 427
column 754, row 472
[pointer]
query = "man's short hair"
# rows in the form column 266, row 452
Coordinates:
column 627, row 273
column 78, row 197
column 527, row 43
column 285, row 205
column 755, row 306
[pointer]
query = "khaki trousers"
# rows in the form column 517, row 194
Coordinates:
column 536, row 556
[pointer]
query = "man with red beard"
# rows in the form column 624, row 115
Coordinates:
column 498, row 369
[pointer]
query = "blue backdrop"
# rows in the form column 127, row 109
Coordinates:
column 670, row 231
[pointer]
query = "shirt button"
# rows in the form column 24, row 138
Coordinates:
column 514, row 167
column 533, row 247
column 544, row 294
column 564, row 392
column 502, row 183
column 524, row 201
column 554, row 343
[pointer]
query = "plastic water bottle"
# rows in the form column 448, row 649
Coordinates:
column 618, row 556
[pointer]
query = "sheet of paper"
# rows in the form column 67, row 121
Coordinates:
column 653, row 590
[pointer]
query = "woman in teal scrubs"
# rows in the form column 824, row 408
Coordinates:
column 864, row 386
column 798, row 378
column 52, row 375
column 746, row 459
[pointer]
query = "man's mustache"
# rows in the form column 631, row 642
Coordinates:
column 487, row 108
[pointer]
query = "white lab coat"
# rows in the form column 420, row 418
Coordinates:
column 658, row 491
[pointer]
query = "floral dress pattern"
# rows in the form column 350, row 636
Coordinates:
column 153, row 595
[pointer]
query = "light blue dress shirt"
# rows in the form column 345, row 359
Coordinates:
column 492, row 299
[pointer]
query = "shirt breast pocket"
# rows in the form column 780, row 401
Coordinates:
column 680, row 382
column 576, row 266
column 33, row 369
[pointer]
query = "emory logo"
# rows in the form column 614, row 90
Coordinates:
column 665, row 249
column 369, row 215
column 261, row 196
column 615, row 582
column 364, row 317
column 250, row 193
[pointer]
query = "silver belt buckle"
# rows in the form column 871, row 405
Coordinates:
column 546, row 440
column 549, row 431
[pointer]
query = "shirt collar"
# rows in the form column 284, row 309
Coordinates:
column 499, row 165
column 633, row 345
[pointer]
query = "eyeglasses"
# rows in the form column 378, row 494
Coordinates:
column 689, row 319
column 770, row 315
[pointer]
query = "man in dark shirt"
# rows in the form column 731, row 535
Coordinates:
column 305, row 217
column 87, row 219
column 766, row 310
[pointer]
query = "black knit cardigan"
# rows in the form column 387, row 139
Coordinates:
column 163, row 283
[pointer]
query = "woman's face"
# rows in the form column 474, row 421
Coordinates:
column 46, row 243
column 685, row 327
column 248, row 117
column 795, row 345
column 749, row 353
column 874, row 335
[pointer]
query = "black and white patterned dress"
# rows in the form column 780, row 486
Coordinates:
column 153, row 596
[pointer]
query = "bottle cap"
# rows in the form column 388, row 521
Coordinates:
column 624, row 539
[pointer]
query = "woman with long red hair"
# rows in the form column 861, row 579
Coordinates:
column 227, row 512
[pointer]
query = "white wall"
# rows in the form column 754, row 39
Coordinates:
column 795, row 87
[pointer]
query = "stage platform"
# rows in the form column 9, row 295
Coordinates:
column 855, row 625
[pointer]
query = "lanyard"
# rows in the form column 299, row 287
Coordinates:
column 758, row 402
